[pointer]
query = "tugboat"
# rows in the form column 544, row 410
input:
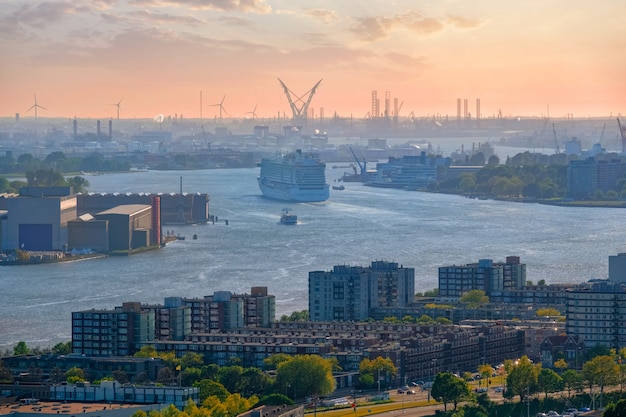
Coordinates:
column 288, row 217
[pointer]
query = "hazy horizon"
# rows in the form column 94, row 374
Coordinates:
column 89, row 59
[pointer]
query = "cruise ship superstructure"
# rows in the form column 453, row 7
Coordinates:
column 296, row 176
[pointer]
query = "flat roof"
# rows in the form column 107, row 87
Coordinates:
column 126, row 209
column 61, row 408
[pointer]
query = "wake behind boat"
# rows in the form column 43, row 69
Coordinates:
column 296, row 176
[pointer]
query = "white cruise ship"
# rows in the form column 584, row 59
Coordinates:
column 296, row 176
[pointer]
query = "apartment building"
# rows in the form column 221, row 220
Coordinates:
column 486, row 275
column 112, row 332
column 596, row 312
column 347, row 293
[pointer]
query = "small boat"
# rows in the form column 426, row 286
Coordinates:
column 195, row 237
column 179, row 237
column 338, row 187
column 288, row 217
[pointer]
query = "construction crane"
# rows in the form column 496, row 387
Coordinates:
column 622, row 132
column 556, row 142
column 362, row 167
column 299, row 113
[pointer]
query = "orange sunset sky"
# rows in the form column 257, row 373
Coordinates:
column 524, row 58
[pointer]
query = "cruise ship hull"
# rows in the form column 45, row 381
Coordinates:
column 299, row 177
column 289, row 192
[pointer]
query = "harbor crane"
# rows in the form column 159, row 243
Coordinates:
column 557, row 150
column 299, row 105
column 622, row 132
column 362, row 167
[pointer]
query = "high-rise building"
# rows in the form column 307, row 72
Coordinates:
column 348, row 292
column 224, row 310
column 112, row 332
column 617, row 268
column 456, row 280
column 596, row 312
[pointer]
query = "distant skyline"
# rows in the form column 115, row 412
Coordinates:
column 144, row 58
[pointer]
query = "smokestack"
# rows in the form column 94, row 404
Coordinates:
column 17, row 118
column 110, row 129
column 98, row 129
column 387, row 103
column 458, row 109
column 75, row 128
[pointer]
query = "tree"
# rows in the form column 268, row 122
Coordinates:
column 21, row 349
column 120, row 376
column 296, row 316
column 208, row 388
column 62, row 348
column 561, row 365
column 521, row 378
column 485, row 372
column 230, row 377
column 547, row 312
column 601, row 371
column 191, row 359
column 272, row 362
column 615, row 409
column 572, row 381
column 166, row 375
column 370, row 371
column 306, row 375
column 79, row 184
column 448, row 388
column 548, row 381
column 474, row 298
column 274, row 399
column 74, row 375
column 5, row 374
column 147, row 352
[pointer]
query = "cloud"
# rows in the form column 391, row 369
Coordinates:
column 374, row 28
column 461, row 22
column 327, row 16
column 235, row 21
column 165, row 18
column 40, row 15
column 245, row 6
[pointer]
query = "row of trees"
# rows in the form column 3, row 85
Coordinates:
column 59, row 161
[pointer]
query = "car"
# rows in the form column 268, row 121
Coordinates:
column 498, row 389
column 400, row 391
column 584, row 409
column 410, row 392
column 571, row 411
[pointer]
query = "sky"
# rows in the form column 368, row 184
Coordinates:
column 81, row 58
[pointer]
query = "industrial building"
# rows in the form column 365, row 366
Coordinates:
column 37, row 219
column 49, row 219
column 175, row 208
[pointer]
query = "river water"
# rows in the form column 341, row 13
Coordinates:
column 354, row 227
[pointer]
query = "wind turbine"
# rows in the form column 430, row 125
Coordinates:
column 36, row 106
column 118, row 107
column 253, row 112
column 221, row 105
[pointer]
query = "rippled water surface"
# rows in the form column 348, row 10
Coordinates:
column 356, row 226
